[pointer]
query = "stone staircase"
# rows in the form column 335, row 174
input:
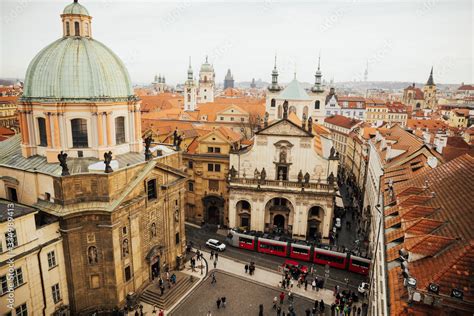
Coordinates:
column 152, row 294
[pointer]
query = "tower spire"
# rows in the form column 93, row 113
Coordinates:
column 430, row 81
column 275, row 65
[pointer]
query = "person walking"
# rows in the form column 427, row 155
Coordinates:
column 246, row 267
column 308, row 312
column 305, row 284
column 215, row 264
column 282, row 297
column 278, row 310
column 260, row 310
column 275, row 301
column 321, row 306
column 212, row 254
column 359, row 311
column 162, row 289
column 161, row 313
column 217, row 255
column 316, row 303
column 223, row 299
column 213, row 278
column 218, row 302
column 313, row 285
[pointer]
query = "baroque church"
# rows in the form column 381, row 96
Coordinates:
column 201, row 91
column 80, row 159
column 284, row 181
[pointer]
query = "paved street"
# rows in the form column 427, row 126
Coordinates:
column 243, row 298
column 199, row 237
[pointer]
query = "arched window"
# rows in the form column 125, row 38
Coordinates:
column 189, row 98
column 316, row 104
column 43, row 139
column 292, row 109
column 67, row 29
column 119, row 130
column 205, row 78
column 76, row 29
column 272, row 103
column 79, row 133
column 305, row 111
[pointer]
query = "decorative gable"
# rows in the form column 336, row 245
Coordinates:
column 284, row 127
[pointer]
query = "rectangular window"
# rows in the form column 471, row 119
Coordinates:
column 128, row 273
column 79, row 133
column 214, row 185
column 177, row 238
column 51, row 259
column 151, row 189
column 18, row 278
column 21, row 310
column 210, row 149
column 222, row 118
column 217, row 149
column 210, row 167
column 190, row 187
column 11, row 239
column 4, row 284
column 232, row 118
column 242, row 119
column 43, row 141
column 190, row 164
column 56, row 293
column 217, row 167
column 120, row 130
column 12, row 196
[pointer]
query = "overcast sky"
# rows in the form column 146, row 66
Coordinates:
column 399, row 39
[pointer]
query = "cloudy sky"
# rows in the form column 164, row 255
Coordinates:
column 400, row 40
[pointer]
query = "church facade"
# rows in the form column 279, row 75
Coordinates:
column 284, row 181
column 120, row 219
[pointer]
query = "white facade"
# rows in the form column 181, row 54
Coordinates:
column 190, row 91
column 286, row 152
column 206, row 83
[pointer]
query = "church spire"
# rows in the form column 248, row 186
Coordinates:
column 430, row 81
column 317, row 87
column 190, row 70
column 274, row 85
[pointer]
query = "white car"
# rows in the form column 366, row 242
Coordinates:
column 338, row 223
column 363, row 288
column 215, row 244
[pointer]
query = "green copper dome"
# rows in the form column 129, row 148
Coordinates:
column 75, row 8
column 77, row 69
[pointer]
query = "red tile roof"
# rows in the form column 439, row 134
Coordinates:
column 342, row 121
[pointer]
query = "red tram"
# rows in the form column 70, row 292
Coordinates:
column 339, row 260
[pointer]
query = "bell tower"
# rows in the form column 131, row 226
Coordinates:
column 206, row 83
column 190, row 90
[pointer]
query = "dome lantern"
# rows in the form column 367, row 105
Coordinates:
column 76, row 20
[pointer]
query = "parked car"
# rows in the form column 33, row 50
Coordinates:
column 363, row 288
column 338, row 223
column 215, row 244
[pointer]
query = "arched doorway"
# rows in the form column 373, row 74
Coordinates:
column 313, row 230
column 213, row 210
column 279, row 216
column 279, row 221
column 244, row 214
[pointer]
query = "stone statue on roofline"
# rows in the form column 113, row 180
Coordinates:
column 285, row 109
column 306, row 178
column 148, row 141
column 62, row 157
column 107, row 160
column 232, row 172
column 310, row 124
column 256, row 174
column 265, row 120
column 331, row 178
column 263, row 174
column 175, row 137
column 179, row 139
column 300, row 176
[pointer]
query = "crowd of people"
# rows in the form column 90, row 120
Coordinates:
column 344, row 304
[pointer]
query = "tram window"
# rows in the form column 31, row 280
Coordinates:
column 359, row 263
column 272, row 247
column 245, row 240
column 323, row 256
column 300, row 251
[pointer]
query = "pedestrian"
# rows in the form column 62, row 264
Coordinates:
column 278, row 310
column 217, row 255
column 162, row 289
column 223, row 299
column 305, row 285
column 359, row 311
column 136, row 313
column 161, row 313
column 218, row 302
column 290, row 297
column 260, row 310
column 313, row 285
column 215, row 264
column 313, row 312
column 316, row 304
column 275, row 301
column 212, row 254
column 321, row 306
column 308, row 312
column 213, row 278
column 246, row 268
column 282, row 297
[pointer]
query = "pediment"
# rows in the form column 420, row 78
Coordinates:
column 284, row 127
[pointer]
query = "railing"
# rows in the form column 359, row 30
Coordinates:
column 321, row 185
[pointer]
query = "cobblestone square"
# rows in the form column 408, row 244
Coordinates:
column 243, row 298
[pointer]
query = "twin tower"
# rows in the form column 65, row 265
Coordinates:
column 202, row 92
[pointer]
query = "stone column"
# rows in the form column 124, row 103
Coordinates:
column 48, row 129
column 100, row 125
column 108, row 126
column 137, row 124
column 57, row 142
